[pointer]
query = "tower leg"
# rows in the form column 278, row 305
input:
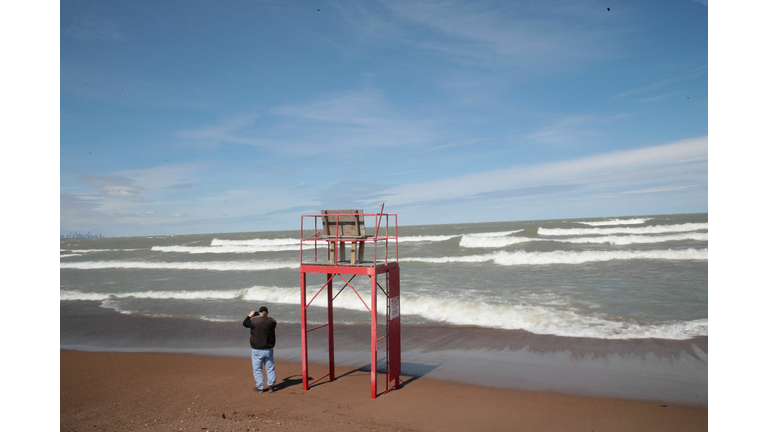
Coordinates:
column 393, row 338
column 331, row 365
column 374, row 337
column 304, row 348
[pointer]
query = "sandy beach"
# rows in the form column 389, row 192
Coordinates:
column 137, row 391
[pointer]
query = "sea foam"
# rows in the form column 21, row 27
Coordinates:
column 213, row 266
column 256, row 242
column 565, row 257
column 476, row 241
column 637, row 239
column 655, row 229
column 415, row 239
column 546, row 320
column 227, row 248
column 538, row 319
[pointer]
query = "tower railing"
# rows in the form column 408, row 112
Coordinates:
column 325, row 236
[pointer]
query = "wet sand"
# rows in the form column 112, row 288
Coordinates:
column 664, row 371
column 158, row 391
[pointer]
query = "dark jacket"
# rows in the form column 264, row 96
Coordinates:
column 262, row 331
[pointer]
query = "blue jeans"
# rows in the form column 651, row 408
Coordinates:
column 267, row 358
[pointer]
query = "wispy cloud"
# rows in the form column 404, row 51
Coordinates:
column 79, row 211
column 633, row 167
column 488, row 34
column 359, row 119
column 327, row 124
column 145, row 196
column 697, row 73
column 557, row 128
column 112, row 186
column 225, row 131
column 463, row 143
column 252, row 201
column 171, row 197
column 569, row 127
column 162, row 177
column 658, row 98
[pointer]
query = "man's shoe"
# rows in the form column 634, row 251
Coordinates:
column 271, row 389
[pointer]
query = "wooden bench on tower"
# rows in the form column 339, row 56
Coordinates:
column 341, row 226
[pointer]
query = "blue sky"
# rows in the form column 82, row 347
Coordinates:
column 201, row 116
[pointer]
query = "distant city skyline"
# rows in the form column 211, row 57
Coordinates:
column 241, row 117
column 78, row 235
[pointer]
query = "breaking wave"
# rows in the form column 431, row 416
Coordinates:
column 565, row 257
column 475, row 241
column 536, row 319
column 655, row 229
column 257, row 242
column 414, row 239
column 213, row 266
column 226, row 248
column 638, row 239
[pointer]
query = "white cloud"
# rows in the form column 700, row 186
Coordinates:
column 573, row 128
column 330, row 124
column 658, row 98
column 140, row 197
column 160, row 177
column 112, row 186
column 631, row 168
column 697, row 73
column 224, row 131
column 453, row 144
column 512, row 35
column 359, row 119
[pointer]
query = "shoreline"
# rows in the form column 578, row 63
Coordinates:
column 161, row 391
column 669, row 372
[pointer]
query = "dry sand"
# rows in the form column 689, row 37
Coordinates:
column 177, row 392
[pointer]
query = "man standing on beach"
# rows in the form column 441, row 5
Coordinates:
column 262, row 347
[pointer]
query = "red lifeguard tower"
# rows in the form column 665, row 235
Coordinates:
column 325, row 244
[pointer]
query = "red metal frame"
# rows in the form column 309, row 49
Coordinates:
column 380, row 265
